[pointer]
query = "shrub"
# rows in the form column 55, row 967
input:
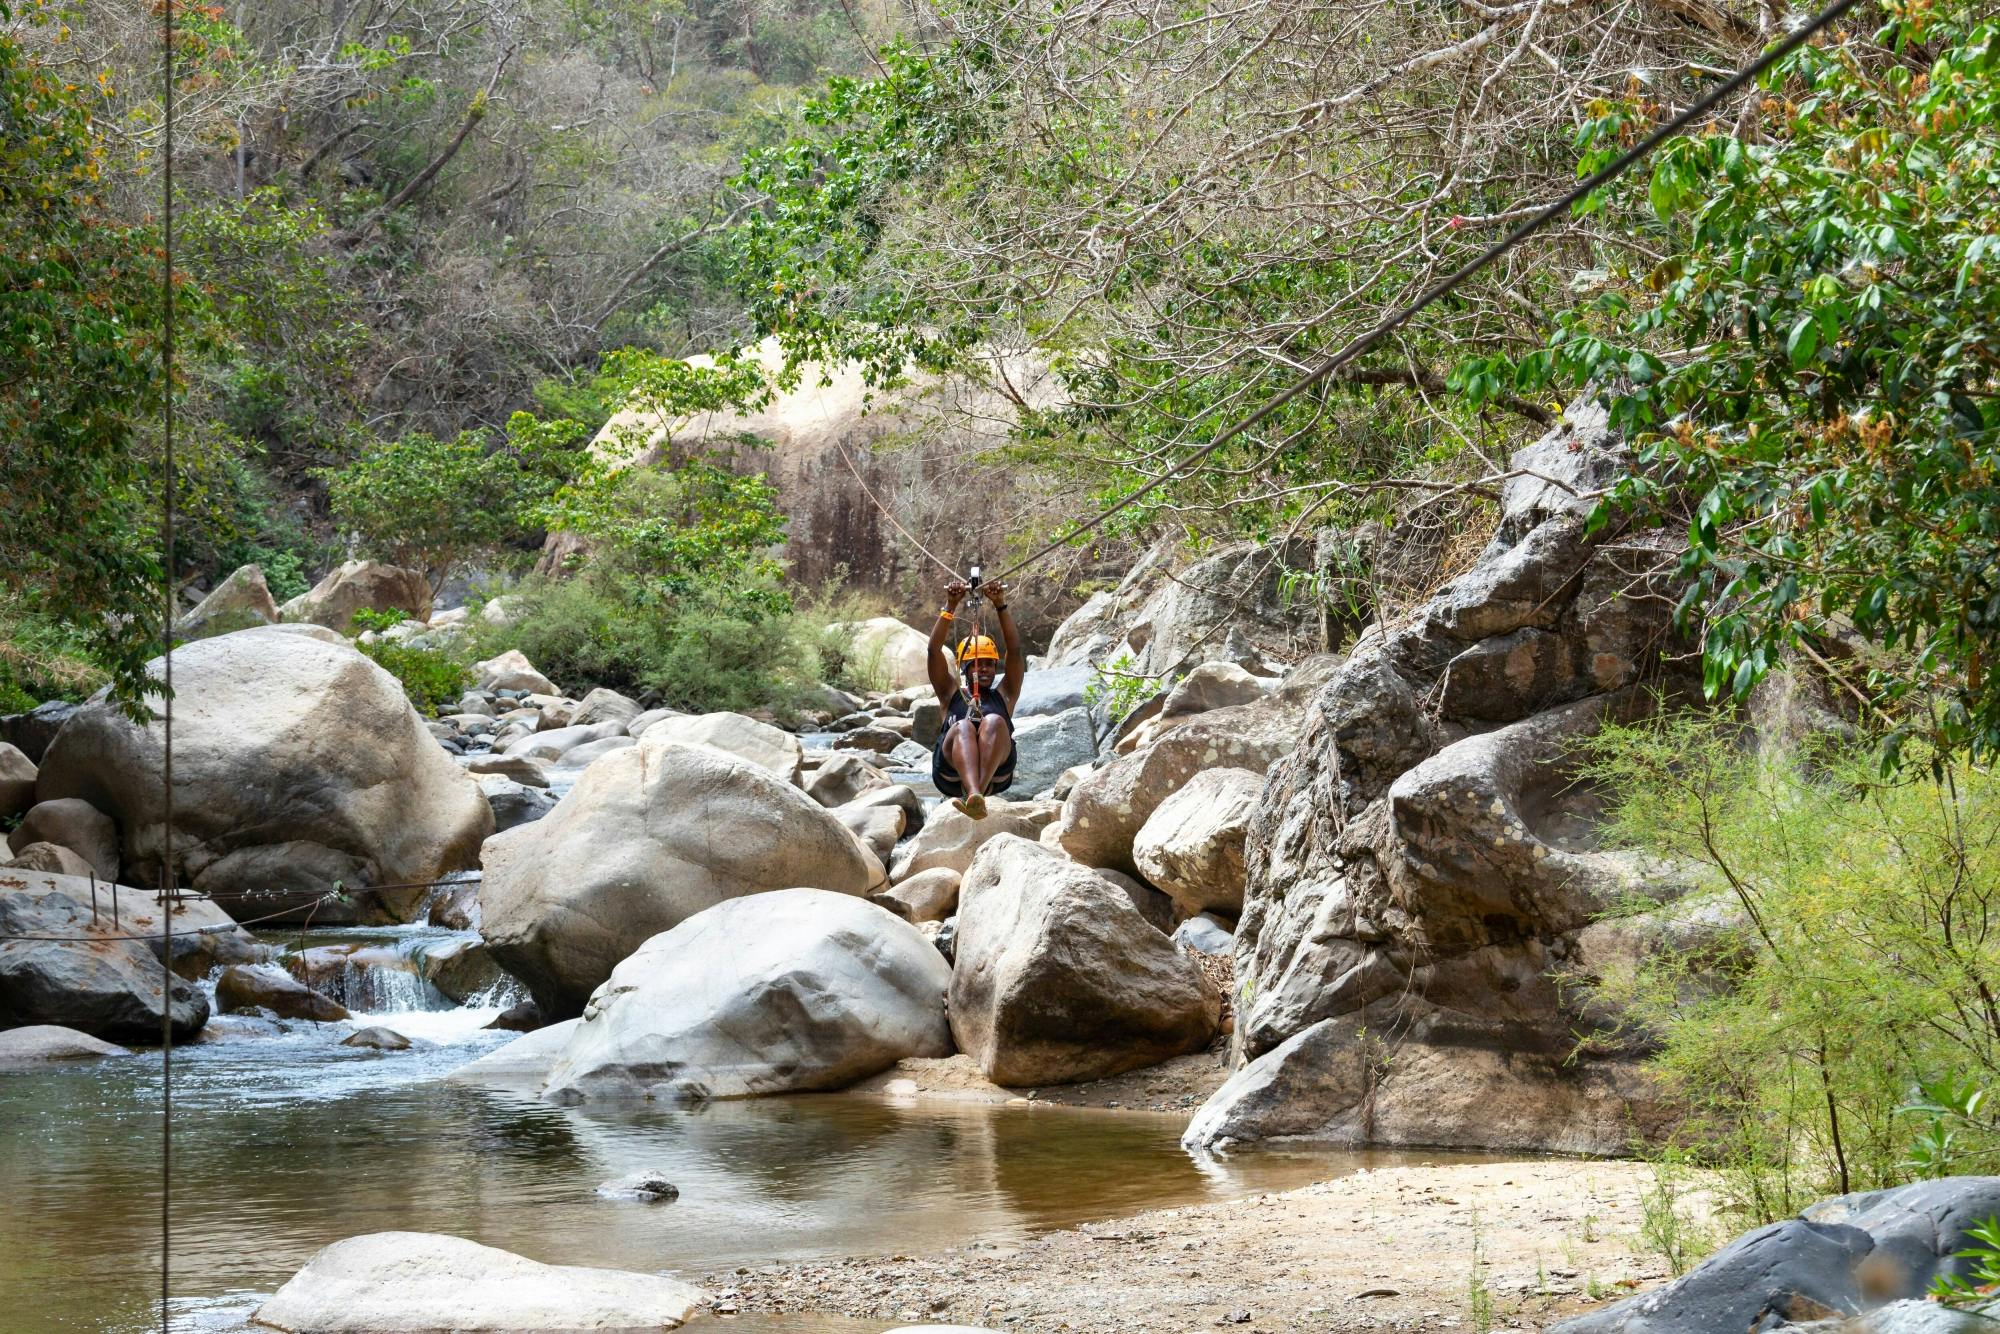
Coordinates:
column 1863, row 968
column 431, row 677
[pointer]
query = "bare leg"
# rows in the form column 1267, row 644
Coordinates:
column 961, row 746
column 995, row 745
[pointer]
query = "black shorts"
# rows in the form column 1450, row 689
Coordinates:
column 945, row 776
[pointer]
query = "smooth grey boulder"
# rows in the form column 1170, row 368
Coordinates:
column 1800, row 1268
column 927, row 896
column 1108, row 807
column 278, row 739
column 840, row 779
column 1205, row 933
column 513, row 803
column 526, row 1060
column 648, row 837
column 36, row 1043
column 1052, row 690
column 795, row 989
column 551, row 746
column 951, row 838
column 517, row 768
column 763, row 745
column 239, row 602
column 425, row 1283
column 1191, row 846
column 878, row 827
column 377, row 1038
column 512, row 671
column 1056, row 977
column 637, row 727
column 75, row 824
column 83, row 976
column 361, row 585
column 1046, row 746
column 901, row 796
column 590, row 752
column 17, row 781
column 32, row 731
column 604, row 705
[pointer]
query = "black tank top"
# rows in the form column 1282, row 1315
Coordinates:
column 991, row 701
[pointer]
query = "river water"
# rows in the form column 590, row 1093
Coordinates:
column 284, row 1141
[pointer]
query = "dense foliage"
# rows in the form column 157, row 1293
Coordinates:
column 80, row 315
column 1832, row 971
column 1810, row 368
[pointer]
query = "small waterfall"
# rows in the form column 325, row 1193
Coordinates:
column 369, row 979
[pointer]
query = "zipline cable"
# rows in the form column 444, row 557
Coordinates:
column 1595, row 181
column 167, row 676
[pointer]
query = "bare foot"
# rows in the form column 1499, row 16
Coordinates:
column 974, row 806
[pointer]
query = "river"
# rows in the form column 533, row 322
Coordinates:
column 284, row 1140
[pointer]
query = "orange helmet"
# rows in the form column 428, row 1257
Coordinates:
column 974, row 647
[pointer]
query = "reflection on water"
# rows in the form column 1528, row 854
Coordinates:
column 283, row 1143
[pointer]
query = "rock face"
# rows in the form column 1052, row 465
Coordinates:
column 1801, row 1268
column 361, row 585
column 1422, row 859
column 239, row 602
column 1191, row 846
column 109, row 988
column 763, row 745
column 1106, row 809
column 278, row 741
column 792, row 990
column 1227, row 606
column 647, row 838
column 1057, row 977
column 69, row 822
column 424, row 1283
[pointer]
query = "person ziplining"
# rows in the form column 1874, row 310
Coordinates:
column 974, row 753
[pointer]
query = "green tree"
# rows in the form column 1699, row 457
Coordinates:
column 81, row 311
column 1810, row 369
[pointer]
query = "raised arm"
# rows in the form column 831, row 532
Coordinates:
column 942, row 680
column 1010, row 639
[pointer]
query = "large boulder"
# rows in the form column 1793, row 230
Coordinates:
column 886, row 653
column 50, row 857
column 244, row 987
column 277, row 740
column 951, row 838
column 1191, row 846
column 648, row 837
column 792, row 990
column 31, row 732
column 878, row 827
column 1051, row 690
column 1058, row 978
column 604, row 705
column 550, row 746
column 361, row 585
column 75, row 824
column 512, row 671
column 17, row 781
column 1424, row 860
column 425, row 1283
column 839, row 779
column 58, row 967
column 1107, row 808
column 239, row 602
column 37, row 1043
column 765, row 746
column 1046, row 746
column 1843, row 1255
column 1213, row 685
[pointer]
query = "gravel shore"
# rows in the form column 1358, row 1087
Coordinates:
column 1503, row 1245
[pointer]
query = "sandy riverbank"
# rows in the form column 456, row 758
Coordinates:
column 1394, row 1248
